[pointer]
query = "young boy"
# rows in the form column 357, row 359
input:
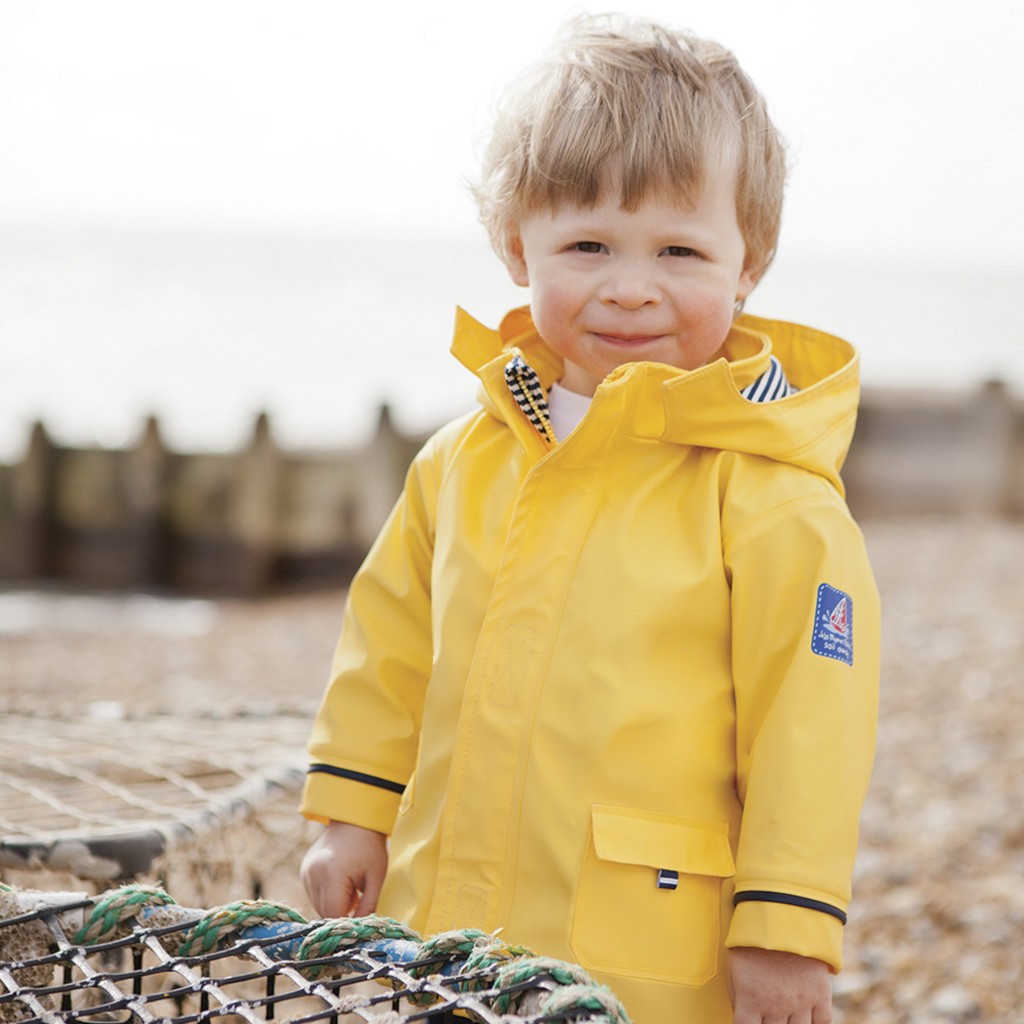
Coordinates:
column 608, row 677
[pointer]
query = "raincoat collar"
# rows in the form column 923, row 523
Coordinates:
column 702, row 407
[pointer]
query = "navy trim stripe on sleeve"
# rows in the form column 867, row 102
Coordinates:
column 346, row 773
column 762, row 896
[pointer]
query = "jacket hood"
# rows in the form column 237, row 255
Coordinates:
column 811, row 429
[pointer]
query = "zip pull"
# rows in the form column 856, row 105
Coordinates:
column 524, row 384
column 668, row 879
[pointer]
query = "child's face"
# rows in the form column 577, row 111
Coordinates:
column 609, row 286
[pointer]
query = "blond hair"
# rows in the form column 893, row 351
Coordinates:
column 631, row 104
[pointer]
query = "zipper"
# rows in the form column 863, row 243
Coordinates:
column 526, row 389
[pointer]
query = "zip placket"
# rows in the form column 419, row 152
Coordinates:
column 526, row 389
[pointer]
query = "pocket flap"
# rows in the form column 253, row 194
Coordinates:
column 660, row 841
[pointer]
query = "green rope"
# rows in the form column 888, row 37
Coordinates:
column 558, row 971
column 497, row 954
column 451, row 945
column 593, row 998
column 345, row 933
column 220, row 923
column 351, row 931
column 115, row 906
column 518, row 972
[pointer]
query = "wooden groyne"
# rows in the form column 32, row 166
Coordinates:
column 938, row 453
column 249, row 521
column 240, row 522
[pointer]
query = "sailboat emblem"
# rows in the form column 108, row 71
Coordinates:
column 837, row 620
column 832, row 636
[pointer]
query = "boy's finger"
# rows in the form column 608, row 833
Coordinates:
column 369, row 896
column 336, row 900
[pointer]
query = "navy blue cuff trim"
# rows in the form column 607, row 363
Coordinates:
column 370, row 780
column 761, row 896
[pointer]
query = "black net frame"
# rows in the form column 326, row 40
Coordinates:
column 132, row 954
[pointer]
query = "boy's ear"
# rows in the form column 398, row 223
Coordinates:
column 749, row 277
column 516, row 263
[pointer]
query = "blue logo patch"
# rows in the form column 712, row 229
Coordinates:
column 833, row 625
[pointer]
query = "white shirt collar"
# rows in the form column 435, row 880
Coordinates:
column 566, row 408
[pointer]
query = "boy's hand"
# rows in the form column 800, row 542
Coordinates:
column 771, row 987
column 344, row 870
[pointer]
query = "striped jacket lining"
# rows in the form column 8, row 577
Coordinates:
column 770, row 386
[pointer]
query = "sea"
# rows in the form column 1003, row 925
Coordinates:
column 101, row 327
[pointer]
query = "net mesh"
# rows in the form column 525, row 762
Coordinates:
column 134, row 954
column 203, row 804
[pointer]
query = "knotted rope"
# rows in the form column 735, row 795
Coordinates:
column 451, row 946
column 445, row 947
column 591, row 999
column 518, row 974
column 115, row 907
column 219, row 924
column 348, row 932
column 484, row 959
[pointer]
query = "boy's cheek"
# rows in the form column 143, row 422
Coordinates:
column 552, row 309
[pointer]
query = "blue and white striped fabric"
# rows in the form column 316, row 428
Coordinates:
column 770, row 386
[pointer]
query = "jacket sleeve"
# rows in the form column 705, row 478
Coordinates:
column 806, row 671
column 364, row 738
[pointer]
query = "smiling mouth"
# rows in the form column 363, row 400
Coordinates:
column 627, row 340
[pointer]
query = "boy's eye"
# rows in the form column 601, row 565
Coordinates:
column 588, row 247
column 680, row 250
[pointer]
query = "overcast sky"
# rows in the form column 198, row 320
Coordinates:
column 903, row 116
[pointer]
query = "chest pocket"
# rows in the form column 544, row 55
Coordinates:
column 649, row 903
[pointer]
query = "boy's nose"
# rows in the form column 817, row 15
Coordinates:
column 629, row 287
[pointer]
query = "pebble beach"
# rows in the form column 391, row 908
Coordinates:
column 936, row 928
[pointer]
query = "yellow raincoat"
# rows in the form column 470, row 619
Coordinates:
column 616, row 694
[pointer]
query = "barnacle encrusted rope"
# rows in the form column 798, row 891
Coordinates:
column 26, row 941
column 115, row 906
column 221, row 923
column 346, row 933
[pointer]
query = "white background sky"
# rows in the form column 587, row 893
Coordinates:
column 904, row 116
column 364, row 120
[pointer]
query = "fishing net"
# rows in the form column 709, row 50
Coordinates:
column 134, row 954
column 203, row 805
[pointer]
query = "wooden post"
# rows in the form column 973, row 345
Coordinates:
column 26, row 543
column 988, row 456
column 147, row 468
column 257, row 508
column 1015, row 470
column 382, row 466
